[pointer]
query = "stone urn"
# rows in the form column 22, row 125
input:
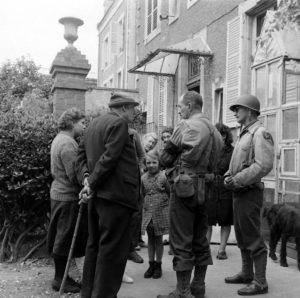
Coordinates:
column 71, row 25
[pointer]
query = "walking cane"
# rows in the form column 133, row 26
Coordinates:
column 61, row 290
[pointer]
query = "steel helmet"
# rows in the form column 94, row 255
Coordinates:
column 248, row 101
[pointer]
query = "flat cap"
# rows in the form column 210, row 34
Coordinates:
column 119, row 99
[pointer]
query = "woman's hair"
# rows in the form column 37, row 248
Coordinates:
column 225, row 130
column 168, row 129
column 152, row 135
column 69, row 117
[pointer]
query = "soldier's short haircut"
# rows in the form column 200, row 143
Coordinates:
column 194, row 98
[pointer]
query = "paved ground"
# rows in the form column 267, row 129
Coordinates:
column 283, row 282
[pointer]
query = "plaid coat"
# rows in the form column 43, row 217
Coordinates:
column 155, row 191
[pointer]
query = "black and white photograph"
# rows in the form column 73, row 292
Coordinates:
column 149, row 148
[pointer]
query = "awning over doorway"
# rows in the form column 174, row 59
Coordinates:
column 164, row 61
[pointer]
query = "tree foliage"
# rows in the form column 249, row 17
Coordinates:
column 25, row 178
column 21, row 80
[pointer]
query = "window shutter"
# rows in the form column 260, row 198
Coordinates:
column 163, row 93
column 292, row 89
column 150, row 99
column 232, row 87
column 114, row 40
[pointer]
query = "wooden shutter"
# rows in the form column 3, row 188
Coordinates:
column 233, row 71
column 292, row 92
column 114, row 40
column 150, row 99
column 163, row 89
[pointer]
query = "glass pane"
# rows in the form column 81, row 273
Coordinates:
column 260, row 91
column 149, row 25
column 273, row 84
column 154, row 19
column 289, row 160
column 149, row 6
column 290, row 124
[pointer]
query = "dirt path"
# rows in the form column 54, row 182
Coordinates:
column 30, row 280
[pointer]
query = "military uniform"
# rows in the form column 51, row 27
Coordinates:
column 252, row 159
column 194, row 143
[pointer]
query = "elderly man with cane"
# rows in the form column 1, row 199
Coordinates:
column 109, row 170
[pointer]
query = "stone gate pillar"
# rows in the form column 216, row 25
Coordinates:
column 69, row 70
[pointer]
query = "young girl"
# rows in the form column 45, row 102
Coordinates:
column 155, row 192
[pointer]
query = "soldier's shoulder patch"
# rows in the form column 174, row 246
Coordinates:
column 267, row 136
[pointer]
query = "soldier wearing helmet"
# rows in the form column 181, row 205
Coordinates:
column 252, row 159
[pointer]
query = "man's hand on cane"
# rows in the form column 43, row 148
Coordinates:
column 86, row 193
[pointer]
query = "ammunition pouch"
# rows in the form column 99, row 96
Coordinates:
column 184, row 186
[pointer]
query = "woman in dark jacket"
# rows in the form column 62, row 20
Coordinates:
column 220, row 199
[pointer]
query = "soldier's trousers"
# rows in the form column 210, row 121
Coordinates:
column 107, row 248
column 188, row 228
column 247, row 207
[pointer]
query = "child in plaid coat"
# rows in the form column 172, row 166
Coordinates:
column 155, row 191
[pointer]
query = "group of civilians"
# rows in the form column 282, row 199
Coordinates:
column 130, row 186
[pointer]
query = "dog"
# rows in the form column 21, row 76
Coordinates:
column 284, row 222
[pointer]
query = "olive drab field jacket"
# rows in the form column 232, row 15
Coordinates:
column 252, row 157
column 194, row 144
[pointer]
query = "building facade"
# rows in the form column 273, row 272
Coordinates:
column 117, row 44
column 267, row 64
column 181, row 46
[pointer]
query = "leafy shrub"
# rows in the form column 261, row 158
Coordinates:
column 25, row 176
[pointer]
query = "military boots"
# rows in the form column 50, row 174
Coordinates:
column 246, row 275
column 183, row 289
column 259, row 285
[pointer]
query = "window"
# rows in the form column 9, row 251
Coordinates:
column 267, row 80
column 150, row 87
column 194, row 67
column 105, row 52
column 110, row 83
column 120, row 79
column 260, row 84
column 292, row 88
column 288, row 166
column 218, row 106
column 190, row 3
column 121, row 35
column 163, row 92
column 152, row 19
column 290, row 124
column 173, row 10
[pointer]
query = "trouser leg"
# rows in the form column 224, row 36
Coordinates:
column 114, row 244
column 91, row 252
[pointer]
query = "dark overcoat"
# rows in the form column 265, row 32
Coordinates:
column 107, row 153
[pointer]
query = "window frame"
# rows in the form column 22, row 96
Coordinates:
column 172, row 19
column 157, row 30
column 106, row 37
column 283, row 109
column 120, row 70
column 286, row 173
column 266, row 65
column 190, row 3
column 121, row 18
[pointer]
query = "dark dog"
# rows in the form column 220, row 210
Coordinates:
column 284, row 222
